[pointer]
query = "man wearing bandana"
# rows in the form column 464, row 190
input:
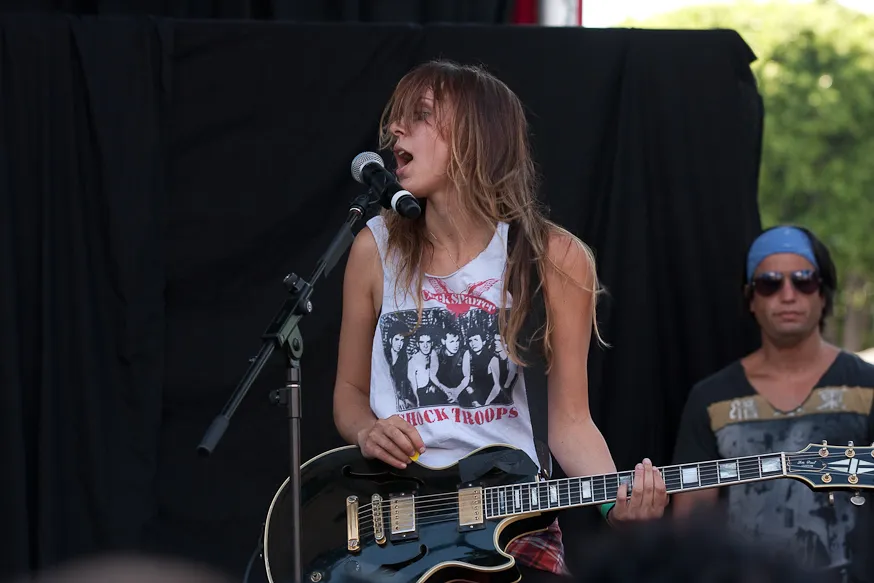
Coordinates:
column 794, row 390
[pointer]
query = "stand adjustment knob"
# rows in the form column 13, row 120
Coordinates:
column 293, row 282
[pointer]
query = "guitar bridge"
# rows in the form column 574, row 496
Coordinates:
column 353, row 540
column 471, row 515
column 402, row 517
column 376, row 512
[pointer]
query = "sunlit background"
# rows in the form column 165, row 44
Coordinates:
column 610, row 13
column 815, row 70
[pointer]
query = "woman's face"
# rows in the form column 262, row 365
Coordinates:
column 421, row 153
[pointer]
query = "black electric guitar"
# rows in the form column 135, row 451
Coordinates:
column 363, row 520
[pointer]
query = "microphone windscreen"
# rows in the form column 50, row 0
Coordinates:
column 361, row 160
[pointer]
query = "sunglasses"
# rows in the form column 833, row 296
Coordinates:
column 804, row 281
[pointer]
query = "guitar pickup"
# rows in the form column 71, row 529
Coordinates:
column 402, row 517
column 471, row 515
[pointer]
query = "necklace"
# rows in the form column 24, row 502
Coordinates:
column 457, row 266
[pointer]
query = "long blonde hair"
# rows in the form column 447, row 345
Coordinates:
column 490, row 164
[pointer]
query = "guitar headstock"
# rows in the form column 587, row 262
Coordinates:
column 834, row 467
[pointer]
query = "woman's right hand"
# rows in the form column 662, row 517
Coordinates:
column 391, row 440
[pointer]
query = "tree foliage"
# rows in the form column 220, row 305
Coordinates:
column 815, row 71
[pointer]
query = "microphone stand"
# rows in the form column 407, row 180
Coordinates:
column 284, row 333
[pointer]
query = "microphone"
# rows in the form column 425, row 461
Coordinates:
column 369, row 169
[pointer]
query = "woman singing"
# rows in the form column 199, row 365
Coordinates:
column 448, row 280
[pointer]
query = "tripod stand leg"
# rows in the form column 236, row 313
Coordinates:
column 294, row 413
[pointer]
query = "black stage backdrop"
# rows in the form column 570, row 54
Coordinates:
column 159, row 178
column 310, row 11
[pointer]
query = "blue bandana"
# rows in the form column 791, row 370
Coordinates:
column 779, row 240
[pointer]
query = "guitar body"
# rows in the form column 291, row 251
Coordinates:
column 439, row 551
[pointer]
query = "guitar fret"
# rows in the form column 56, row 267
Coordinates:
column 560, row 495
column 728, row 471
column 626, row 478
column 599, row 489
column 615, row 481
column 673, row 478
column 575, row 486
column 586, row 489
column 750, row 470
column 708, row 475
column 524, row 500
column 689, row 476
column 548, row 494
column 771, row 465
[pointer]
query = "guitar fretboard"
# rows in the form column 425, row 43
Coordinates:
column 503, row 501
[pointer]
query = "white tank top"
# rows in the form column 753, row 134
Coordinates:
column 451, row 378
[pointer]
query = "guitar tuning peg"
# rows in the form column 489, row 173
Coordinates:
column 850, row 443
column 824, row 442
column 857, row 498
column 831, row 498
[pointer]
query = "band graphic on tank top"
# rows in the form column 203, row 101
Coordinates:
column 455, row 357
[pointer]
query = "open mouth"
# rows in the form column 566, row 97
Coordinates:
column 402, row 157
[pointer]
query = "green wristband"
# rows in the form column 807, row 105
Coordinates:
column 606, row 508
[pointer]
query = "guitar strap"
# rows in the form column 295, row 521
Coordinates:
column 535, row 370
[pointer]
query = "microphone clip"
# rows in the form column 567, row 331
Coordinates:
column 361, row 203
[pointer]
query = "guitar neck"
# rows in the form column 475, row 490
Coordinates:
column 564, row 493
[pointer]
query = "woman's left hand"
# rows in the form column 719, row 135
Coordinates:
column 648, row 499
